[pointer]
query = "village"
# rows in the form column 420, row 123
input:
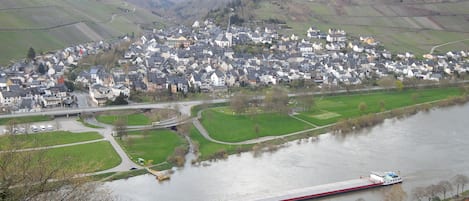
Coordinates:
column 208, row 58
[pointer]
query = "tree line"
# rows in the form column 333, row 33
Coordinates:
column 441, row 189
column 273, row 100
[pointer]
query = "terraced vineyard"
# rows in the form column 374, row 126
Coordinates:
column 52, row 24
column 415, row 25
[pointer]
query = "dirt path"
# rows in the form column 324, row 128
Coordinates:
column 448, row 43
column 56, row 146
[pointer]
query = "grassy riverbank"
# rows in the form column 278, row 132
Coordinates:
column 237, row 128
column 45, row 139
column 210, row 150
column 225, row 126
column 331, row 109
column 155, row 145
column 87, row 157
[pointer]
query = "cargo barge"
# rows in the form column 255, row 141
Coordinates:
column 376, row 179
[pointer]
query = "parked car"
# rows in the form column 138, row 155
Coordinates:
column 50, row 127
column 43, row 128
column 34, row 128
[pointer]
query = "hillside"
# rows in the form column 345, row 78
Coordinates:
column 180, row 11
column 402, row 25
column 52, row 24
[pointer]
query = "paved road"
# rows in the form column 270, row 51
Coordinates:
column 184, row 108
column 126, row 162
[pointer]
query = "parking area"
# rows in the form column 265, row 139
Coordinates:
column 23, row 129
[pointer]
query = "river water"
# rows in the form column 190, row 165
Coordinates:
column 425, row 148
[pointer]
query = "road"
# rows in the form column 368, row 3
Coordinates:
column 184, row 107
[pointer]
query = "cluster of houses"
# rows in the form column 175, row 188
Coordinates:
column 206, row 58
column 27, row 86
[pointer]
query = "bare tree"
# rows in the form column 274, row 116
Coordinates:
column 145, row 133
column 387, row 82
column 35, row 175
column 184, row 129
column 239, row 103
column 399, row 85
column 276, row 100
column 257, row 129
column 306, row 102
column 362, row 107
column 382, row 105
column 11, row 126
column 396, row 193
column 445, row 187
column 418, row 193
column 460, row 180
column 431, row 191
column 120, row 128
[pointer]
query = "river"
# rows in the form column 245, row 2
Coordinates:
column 426, row 148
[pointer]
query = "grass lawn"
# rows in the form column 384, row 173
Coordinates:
column 22, row 120
column 331, row 109
column 207, row 148
column 87, row 157
column 47, row 139
column 132, row 119
column 156, row 146
column 237, row 128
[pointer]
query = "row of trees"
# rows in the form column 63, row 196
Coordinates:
column 442, row 188
column 274, row 100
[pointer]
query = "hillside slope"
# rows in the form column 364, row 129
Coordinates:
column 180, row 11
column 402, row 25
column 52, row 24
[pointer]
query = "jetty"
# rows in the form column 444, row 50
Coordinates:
column 159, row 175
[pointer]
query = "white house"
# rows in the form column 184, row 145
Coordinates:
column 217, row 78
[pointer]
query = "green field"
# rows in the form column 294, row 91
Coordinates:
column 46, row 139
column 237, row 128
column 207, row 149
column 157, row 145
column 88, row 157
column 23, row 120
column 331, row 109
column 132, row 119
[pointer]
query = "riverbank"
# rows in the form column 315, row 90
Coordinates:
column 397, row 144
column 425, row 100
